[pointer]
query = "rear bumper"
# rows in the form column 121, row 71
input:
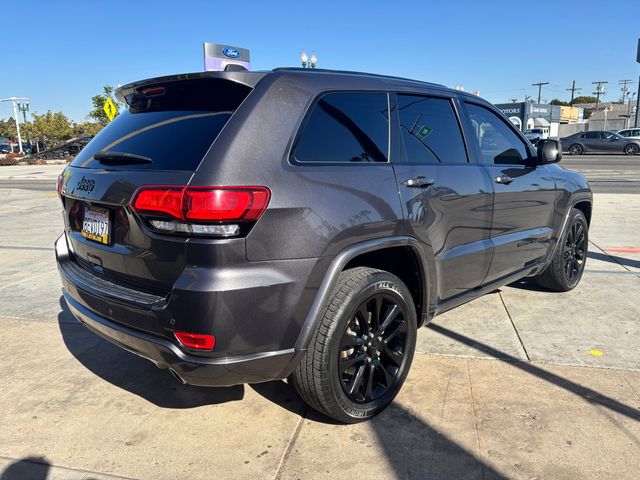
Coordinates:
column 124, row 316
column 225, row 371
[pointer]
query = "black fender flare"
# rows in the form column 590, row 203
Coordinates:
column 575, row 199
column 314, row 316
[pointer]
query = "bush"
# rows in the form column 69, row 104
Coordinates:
column 4, row 161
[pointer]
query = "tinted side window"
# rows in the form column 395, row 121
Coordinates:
column 346, row 127
column 497, row 142
column 592, row 135
column 430, row 130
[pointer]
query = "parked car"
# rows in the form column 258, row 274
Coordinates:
column 600, row 141
column 4, row 148
column 312, row 221
column 630, row 133
column 534, row 135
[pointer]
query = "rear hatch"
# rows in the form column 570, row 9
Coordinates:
column 159, row 140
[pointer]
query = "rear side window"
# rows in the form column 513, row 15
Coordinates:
column 346, row 127
column 173, row 129
column 592, row 135
column 497, row 142
column 430, row 131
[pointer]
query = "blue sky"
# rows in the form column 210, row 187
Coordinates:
column 61, row 53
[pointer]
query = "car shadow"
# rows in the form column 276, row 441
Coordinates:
column 529, row 283
column 32, row 468
column 607, row 257
column 135, row 374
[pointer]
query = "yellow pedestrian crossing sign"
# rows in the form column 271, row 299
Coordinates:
column 110, row 109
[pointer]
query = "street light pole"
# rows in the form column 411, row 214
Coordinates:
column 14, row 101
column 637, row 123
column 24, row 108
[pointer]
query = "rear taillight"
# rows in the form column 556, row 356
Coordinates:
column 201, row 210
column 196, row 341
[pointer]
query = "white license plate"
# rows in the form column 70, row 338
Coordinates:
column 96, row 225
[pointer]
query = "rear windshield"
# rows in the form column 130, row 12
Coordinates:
column 174, row 129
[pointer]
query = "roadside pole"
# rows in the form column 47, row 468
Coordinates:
column 637, row 123
column 14, row 101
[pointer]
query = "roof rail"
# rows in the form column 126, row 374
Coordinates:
column 351, row 72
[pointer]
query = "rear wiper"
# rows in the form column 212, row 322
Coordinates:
column 110, row 157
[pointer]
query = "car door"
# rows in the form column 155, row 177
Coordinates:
column 592, row 141
column 524, row 193
column 612, row 142
column 446, row 199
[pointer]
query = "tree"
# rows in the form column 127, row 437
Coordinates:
column 555, row 101
column 8, row 129
column 584, row 99
column 98, row 113
column 53, row 128
column 86, row 129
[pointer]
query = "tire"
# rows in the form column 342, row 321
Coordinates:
column 631, row 149
column 576, row 149
column 567, row 266
column 348, row 374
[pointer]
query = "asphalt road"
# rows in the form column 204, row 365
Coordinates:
column 605, row 173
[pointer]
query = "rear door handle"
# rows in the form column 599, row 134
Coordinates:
column 419, row 182
column 506, row 179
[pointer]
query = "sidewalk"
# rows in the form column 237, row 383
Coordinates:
column 79, row 402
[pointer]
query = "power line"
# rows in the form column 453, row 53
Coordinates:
column 539, row 85
column 624, row 88
column 573, row 90
column 599, row 91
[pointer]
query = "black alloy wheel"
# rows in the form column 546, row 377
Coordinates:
column 372, row 349
column 574, row 252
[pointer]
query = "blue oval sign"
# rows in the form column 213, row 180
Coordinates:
column 231, row 52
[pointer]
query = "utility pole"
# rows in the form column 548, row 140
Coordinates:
column 573, row 90
column 599, row 91
column 539, row 85
column 15, row 101
column 514, row 100
column 624, row 88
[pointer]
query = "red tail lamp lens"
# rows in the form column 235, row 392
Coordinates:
column 161, row 200
column 210, row 204
column 197, row 341
column 226, row 204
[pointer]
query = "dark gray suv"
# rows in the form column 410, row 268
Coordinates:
column 239, row 227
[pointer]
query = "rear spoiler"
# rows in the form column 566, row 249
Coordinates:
column 246, row 78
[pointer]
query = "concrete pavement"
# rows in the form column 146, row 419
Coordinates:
column 520, row 383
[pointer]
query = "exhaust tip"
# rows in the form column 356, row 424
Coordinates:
column 177, row 376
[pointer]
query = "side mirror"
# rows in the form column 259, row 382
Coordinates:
column 549, row 151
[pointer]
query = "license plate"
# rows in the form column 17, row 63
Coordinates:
column 96, row 225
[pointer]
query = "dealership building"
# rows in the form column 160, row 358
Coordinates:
column 527, row 115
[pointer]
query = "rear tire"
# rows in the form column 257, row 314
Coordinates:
column 361, row 353
column 632, row 149
column 567, row 266
column 576, row 149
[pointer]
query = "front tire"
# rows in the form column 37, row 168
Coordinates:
column 632, row 149
column 361, row 353
column 576, row 149
column 567, row 266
